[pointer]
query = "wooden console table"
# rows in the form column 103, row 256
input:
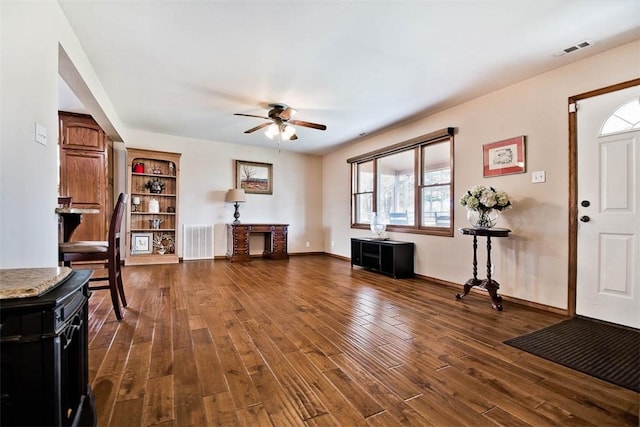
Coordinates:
column 489, row 284
column 275, row 241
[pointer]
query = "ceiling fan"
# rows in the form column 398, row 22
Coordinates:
column 280, row 122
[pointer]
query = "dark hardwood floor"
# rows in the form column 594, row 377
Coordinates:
column 311, row 342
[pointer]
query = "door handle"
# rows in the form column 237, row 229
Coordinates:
column 585, row 218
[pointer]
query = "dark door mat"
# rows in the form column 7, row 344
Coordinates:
column 603, row 350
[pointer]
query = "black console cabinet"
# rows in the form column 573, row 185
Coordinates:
column 385, row 256
column 44, row 357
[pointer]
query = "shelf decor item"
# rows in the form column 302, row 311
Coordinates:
column 154, row 223
column 155, row 185
column 483, row 204
column 163, row 243
column 135, row 204
column 154, row 206
column 141, row 243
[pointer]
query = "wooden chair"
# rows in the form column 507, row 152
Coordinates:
column 107, row 251
column 64, row 201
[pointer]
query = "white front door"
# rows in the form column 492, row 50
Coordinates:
column 608, row 265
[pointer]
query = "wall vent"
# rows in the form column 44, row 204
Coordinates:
column 198, row 242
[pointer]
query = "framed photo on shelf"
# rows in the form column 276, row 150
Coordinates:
column 503, row 157
column 141, row 243
column 254, row 177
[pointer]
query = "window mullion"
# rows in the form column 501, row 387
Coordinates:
column 374, row 202
column 417, row 199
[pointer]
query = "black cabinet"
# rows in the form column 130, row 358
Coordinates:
column 44, row 357
column 385, row 256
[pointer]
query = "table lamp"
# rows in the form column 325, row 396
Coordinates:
column 235, row 196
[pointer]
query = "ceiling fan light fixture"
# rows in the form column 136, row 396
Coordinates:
column 279, row 116
column 272, row 131
column 288, row 132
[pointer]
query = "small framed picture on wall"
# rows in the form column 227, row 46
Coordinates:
column 504, row 157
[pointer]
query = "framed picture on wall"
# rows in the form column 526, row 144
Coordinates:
column 141, row 243
column 254, row 177
column 504, row 157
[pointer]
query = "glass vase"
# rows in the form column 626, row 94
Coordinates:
column 378, row 227
column 487, row 218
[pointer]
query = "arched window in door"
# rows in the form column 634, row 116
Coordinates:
column 625, row 117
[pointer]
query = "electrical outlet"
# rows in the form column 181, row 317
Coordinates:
column 308, row 244
column 539, row 176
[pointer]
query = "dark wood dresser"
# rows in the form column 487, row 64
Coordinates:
column 44, row 357
column 275, row 241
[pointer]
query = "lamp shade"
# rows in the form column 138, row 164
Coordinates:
column 235, row 195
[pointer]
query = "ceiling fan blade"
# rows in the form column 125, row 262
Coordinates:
column 307, row 124
column 251, row 115
column 287, row 113
column 263, row 125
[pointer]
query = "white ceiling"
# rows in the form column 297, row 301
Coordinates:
column 184, row 67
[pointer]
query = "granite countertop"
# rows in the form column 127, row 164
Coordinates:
column 77, row 211
column 30, row 282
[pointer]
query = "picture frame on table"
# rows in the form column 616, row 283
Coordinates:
column 141, row 243
column 504, row 157
column 254, row 177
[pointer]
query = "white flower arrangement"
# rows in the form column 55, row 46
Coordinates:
column 481, row 198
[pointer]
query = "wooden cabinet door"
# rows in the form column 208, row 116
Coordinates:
column 83, row 177
column 84, row 173
column 81, row 132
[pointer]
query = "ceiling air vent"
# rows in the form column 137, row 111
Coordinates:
column 575, row 47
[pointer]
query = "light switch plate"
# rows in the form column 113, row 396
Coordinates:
column 41, row 134
column 539, row 176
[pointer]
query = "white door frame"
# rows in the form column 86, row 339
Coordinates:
column 573, row 186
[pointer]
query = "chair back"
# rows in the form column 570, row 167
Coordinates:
column 116, row 221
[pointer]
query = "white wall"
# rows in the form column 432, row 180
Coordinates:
column 28, row 224
column 30, row 36
column 532, row 264
column 207, row 171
